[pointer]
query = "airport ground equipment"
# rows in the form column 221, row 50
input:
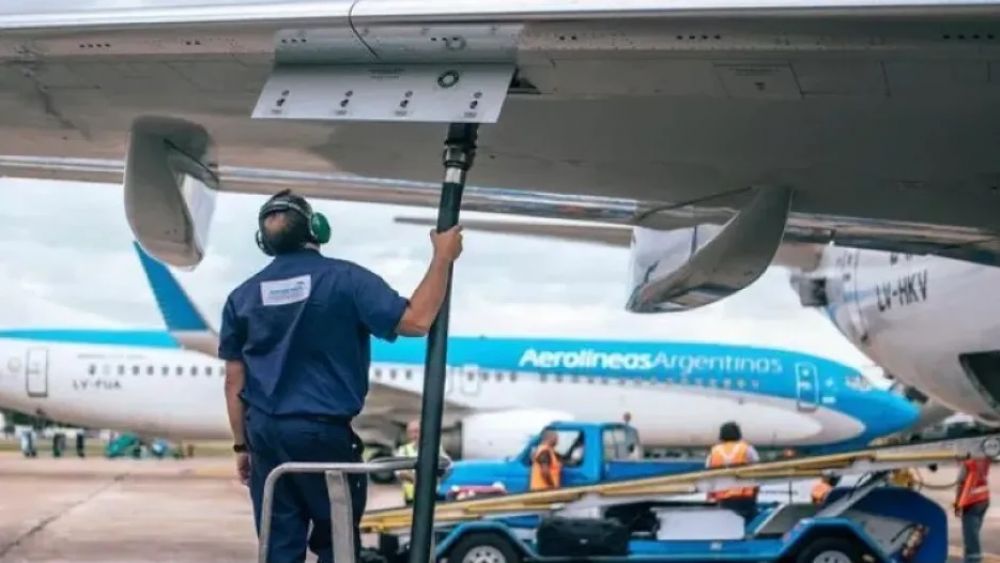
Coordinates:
column 872, row 522
column 339, row 491
column 869, row 521
column 459, row 152
column 593, row 453
column 123, row 446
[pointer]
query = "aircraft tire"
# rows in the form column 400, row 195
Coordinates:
column 374, row 452
column 483, row 548
column 830, row 550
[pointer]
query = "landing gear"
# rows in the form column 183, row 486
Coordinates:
column 459, row 152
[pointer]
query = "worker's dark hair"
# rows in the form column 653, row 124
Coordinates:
column 730, row 432
column 288, row 234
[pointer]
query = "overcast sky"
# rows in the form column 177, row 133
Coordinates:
column 68, row 262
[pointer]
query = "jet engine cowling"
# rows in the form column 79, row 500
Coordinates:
column 498, row 434
column 690, row 267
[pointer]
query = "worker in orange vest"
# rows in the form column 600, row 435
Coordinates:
column 972, row 498
column 546, row 467
column 730, row 452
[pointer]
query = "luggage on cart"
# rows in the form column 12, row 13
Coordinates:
column 581, row 537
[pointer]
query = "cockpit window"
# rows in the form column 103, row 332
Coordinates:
column 858, row 383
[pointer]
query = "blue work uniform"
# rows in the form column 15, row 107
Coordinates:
column 302, row 328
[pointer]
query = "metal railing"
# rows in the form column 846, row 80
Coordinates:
column 339, row 491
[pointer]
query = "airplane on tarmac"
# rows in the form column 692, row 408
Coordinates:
column 927, row 321
column 500, row 390
column 719, row 131
column 870, row 123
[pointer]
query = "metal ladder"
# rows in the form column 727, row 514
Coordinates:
column 339, row 491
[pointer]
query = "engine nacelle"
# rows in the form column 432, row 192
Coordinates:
column 170, row 186
column 686, row 268
column 499, row 434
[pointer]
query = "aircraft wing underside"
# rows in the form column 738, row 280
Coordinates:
column 606, row 220
column 880, row 118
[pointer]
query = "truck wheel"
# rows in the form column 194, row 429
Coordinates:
column 830, row 550
column 483, row 548
column 373, row 452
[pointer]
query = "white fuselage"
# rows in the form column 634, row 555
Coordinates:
column 917, row 317
column 178, row 393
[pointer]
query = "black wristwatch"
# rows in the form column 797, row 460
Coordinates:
column 240, row 448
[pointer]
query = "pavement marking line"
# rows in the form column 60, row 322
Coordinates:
column 6, row 549
column 956, row 551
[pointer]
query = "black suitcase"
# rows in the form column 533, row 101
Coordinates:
column 581, row 537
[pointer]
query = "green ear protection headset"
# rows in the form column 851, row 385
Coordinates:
column 319, row 226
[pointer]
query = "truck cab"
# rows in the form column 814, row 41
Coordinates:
column 591, row 453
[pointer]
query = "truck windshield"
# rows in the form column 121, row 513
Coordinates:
column 621, row 443
column 570, row 447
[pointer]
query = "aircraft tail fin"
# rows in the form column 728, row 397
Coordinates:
column 183, row 319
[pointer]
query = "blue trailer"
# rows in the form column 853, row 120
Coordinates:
column 592, row 453
column 666, row 518
column 869, row 523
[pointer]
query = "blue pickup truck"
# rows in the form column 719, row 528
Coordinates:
column 591, row 453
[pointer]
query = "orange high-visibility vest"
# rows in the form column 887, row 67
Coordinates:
column 730, row 454
column 819, row 491
column 554, row 470
column 976, row 487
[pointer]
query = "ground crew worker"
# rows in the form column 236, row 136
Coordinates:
column 732, row 451
column 407, row 478
column 28, row 443
column 972, row 498
column 822, row 488
column 546, row 467
column 296, row 341
column 81, row 444
column 903, row 477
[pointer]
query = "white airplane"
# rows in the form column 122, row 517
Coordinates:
column 715, row 129
column 923, row 319
column 500, row 390
column 928, row 321
column 866, row 122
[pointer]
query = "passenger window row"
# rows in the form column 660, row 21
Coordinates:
column 407, row 374
column 393, row 374
column 149, row 369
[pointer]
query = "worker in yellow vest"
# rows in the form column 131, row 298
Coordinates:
column 407, row 478
column 732, row 451
column 904, row 477
column 972, row 499
column 546, row 467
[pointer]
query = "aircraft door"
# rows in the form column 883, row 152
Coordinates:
column 470, row 379
column 807, row 387
column 854, row 309
column 844, row 291
column 36, row 372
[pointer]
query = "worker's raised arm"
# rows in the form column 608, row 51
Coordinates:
column 427, row 298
